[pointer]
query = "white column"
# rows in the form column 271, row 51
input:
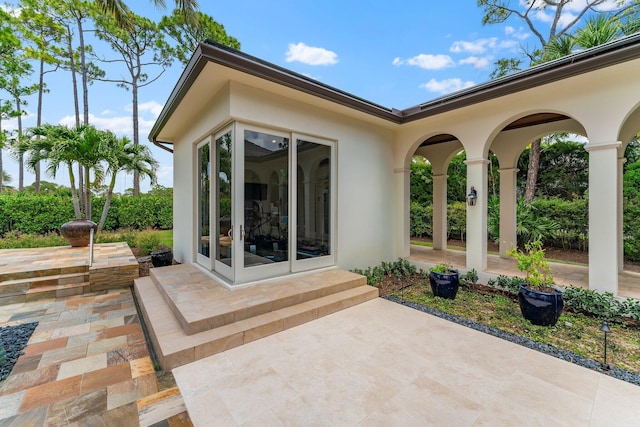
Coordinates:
column 403, row 203
column 621, row 162
column 477, row 215
column 603, row 216
column 508, row 205
column 440, row 212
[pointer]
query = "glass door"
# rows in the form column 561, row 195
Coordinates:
column 263, row 163
column 315, row 201
column 223, row 204
column 203, row 234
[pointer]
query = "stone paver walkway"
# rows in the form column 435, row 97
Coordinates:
column 86, row 364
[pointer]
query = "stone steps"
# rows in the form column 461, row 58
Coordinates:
column 39, row 287
column 201, row 304
column 175, row 347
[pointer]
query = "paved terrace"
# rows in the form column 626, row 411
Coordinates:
column 378, row 363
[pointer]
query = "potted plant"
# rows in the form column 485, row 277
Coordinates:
column 540, row 302
column 444, row 281
column 162, row 256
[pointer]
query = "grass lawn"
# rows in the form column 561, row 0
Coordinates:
column 574, row 332
column 166, row 237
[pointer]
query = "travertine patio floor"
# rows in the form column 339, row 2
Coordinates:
column 382, row 364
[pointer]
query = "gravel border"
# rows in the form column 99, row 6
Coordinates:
column 14, row 339
column 615, row 372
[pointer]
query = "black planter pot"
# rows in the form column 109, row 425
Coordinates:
column 444, row 285
column 78, row 231
column 162, row 258
column 540, row 308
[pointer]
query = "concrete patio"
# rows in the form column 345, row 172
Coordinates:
column 383, row 364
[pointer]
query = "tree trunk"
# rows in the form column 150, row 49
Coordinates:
column 74, row 193
column 36, row 183
column 532, row 171
column 20, row 157
column 136, row 135
column 87, row 189
column 107, row 203
column 83, row 69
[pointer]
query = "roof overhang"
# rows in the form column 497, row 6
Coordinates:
column 606, row 55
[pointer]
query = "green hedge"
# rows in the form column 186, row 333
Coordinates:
column 571, row 216
column 43, row 214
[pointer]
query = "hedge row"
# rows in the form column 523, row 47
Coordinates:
column 571, row 216
column 42, row 214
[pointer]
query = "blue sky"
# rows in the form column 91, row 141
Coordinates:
column 394, row 54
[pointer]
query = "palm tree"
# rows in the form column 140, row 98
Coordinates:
column 54, row 145
column 120, row 11
column 122, row 155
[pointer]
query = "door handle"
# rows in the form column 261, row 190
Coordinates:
column 241, row 232
column 230, row 233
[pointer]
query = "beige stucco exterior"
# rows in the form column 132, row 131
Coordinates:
column 374, row 154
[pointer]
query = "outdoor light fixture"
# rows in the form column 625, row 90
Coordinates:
column 472, row 197
column 605, row 328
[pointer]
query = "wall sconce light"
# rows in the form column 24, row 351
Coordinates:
column 472, row 197
column 605, row 328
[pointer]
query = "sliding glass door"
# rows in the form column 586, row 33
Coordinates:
column 266, row 206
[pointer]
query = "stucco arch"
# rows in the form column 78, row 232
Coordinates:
column 630, row 127
column 416, row 145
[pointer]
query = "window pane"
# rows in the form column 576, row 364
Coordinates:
column 314, row 200
column 223, row 199
column 204, row 207
column 266, row 198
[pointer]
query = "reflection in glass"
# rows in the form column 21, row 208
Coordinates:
column 223, row 199
column 266, row 198
column 314, row 200
column 204, row 207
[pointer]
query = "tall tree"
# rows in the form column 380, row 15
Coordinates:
column 563, row 16
column 14, row 68
column 140, row 47
column 187, row 35
column 73, row 15
column 9, row 44
column 44, row 34
column 119, row 10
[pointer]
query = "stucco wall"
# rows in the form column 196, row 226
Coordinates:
column 365, row 207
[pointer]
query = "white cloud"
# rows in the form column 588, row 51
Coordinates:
column 474, row 47
column 311, row 55
column 427, row 62
column 516, row 33
column 152, row 106
column 106, row 112
column 120, row 125
column 446, row 86
column 477, row 62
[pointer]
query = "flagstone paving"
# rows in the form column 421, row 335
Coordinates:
column 87, row 364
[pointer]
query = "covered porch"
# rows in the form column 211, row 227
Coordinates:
column 563, row 274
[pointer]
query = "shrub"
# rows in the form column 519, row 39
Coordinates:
column 147, row 242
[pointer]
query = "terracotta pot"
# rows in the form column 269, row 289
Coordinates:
column 78, row 231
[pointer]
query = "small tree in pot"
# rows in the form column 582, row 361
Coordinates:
column 444, row 281
column 540, row 302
